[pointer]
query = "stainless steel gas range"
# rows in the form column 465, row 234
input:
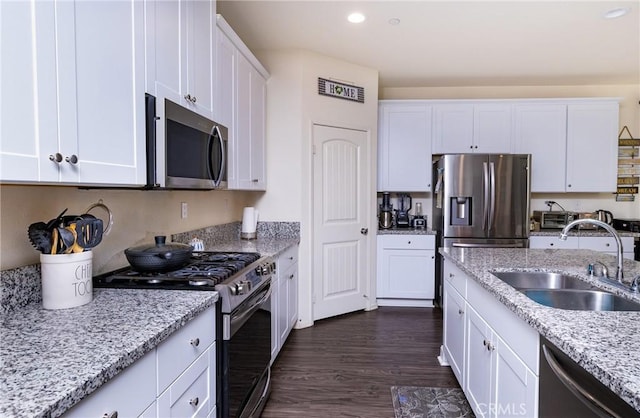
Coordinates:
column 244, row 283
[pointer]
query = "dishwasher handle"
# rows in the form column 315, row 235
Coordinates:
column 580, row 392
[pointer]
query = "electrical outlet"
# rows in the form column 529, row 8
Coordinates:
column 183, row 210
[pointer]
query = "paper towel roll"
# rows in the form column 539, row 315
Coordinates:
column 249, row 223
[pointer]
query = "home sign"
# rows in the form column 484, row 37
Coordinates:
column 340, row 90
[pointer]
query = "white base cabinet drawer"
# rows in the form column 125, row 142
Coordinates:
column 183, row 347
column 191, row 394
column 129, row 394
column 408, row 242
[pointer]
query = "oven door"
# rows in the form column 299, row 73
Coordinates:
column 246, row 354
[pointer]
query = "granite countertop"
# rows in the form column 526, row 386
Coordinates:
column 51, row 359
column 604, row 343
column 406, row 231
column 581, row 233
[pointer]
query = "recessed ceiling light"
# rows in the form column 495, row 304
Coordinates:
column 356, row 18
column 614, row 13
column 394, row 21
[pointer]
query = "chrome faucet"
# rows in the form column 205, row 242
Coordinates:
column 566, row 229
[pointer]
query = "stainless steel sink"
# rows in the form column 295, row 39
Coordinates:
column 541, row 280
column 581, row 300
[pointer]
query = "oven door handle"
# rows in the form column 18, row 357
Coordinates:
column 236, row 321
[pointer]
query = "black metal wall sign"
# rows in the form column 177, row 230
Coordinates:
column 340, row 90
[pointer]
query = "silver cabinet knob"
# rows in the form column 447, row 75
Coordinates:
column 56, row 158
column 112, row 414
column 364, row 231
column 72, row 160
column 194, row 401
column 460, row 311
column 195, row 342
column 187, row 97
column 291, row 276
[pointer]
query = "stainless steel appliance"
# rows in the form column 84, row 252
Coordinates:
column 244, row 283
column 419, row 221
column 402, row 214
column 567, row 390
column 605, row 216
column 631, row 225
column 554, row 219
column 385, row 217
column 480, row 200
column 191, row 155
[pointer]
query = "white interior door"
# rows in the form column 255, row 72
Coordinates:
column 340, row 219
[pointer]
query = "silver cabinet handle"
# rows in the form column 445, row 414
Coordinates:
column 187, row 97
column 56, row 158
column 112, row 414
column 194, row 401
column 292, row 276
column 409, row 242
column 460, row 311
column 72, row 160
column 193, row 99
column 195, row 342
column 255, row 180
column 364, row 231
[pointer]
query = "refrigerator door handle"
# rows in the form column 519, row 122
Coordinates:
column 485, row 203
column 481, row 245
column 492, row 211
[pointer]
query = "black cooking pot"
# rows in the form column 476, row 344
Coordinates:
column 158, row 258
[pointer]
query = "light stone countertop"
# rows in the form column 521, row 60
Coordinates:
column 406, row 231
column 51, row 359
column 581, row 233
column 604, row 343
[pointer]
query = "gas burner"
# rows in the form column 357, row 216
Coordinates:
column 202, row 282
column 154, row 280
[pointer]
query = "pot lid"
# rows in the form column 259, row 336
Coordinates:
column 160, row 247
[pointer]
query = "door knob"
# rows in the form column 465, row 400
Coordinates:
column 364, row 231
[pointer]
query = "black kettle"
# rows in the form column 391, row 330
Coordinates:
column 605, row 216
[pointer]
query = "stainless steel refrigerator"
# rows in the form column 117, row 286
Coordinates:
column 481, row 200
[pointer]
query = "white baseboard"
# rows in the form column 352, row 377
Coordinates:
column 442, row 359
column 416, row 303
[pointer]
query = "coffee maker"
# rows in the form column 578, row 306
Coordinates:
column 385, row 218
column 402, row 214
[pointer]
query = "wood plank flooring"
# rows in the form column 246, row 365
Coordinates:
column 345, row 366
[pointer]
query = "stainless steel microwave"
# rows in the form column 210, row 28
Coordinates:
column 192, row 153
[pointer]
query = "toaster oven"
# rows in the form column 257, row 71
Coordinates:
column 553, row 219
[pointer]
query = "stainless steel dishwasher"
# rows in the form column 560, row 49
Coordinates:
column 567, row 390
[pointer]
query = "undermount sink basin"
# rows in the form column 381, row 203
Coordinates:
column 541, row 280
column 581, row 300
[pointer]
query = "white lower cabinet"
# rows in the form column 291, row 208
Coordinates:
column 492, row 352
column 177, row 379
column 284, row 299
column 406, row 270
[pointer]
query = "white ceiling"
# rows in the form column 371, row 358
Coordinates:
column 455, row 43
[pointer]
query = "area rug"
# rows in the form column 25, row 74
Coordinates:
column 423, row 402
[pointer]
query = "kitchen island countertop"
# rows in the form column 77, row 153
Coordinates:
column 603, row 343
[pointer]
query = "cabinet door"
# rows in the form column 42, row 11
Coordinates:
column 201, row 59
column 101, row 91
column 224, row 82
column 516, row 385
column 454, row 330
column 406, row 274
column 292, row 300
column 453, row 129
column 592, row 147
column 258, row 135
column 492, row 128
column 541, row 130
column 480, row 364
column 404, row 148
column 28, row 103
column 283, row 310
column 275, row 315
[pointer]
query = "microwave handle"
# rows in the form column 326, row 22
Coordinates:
column 217, row 178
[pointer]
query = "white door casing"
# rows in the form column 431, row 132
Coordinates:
column 340, row 218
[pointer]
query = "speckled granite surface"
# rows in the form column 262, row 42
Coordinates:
column 19, row 287
column 406, row 231
column 581, row 233
column 50, row 360
column 604, row 343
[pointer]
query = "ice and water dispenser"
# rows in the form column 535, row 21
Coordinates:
column 460, row 207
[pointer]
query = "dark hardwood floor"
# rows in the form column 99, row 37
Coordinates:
column 345, row 366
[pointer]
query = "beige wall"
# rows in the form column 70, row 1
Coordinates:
column 138, row 217
column 294, row 105
column 629, row 115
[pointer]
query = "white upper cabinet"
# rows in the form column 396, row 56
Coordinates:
column 479, row 127
column 404, row 147
column 180, row 52
column 540, row 130
column 592, row 147
column 240, row 97
column 81, row 120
